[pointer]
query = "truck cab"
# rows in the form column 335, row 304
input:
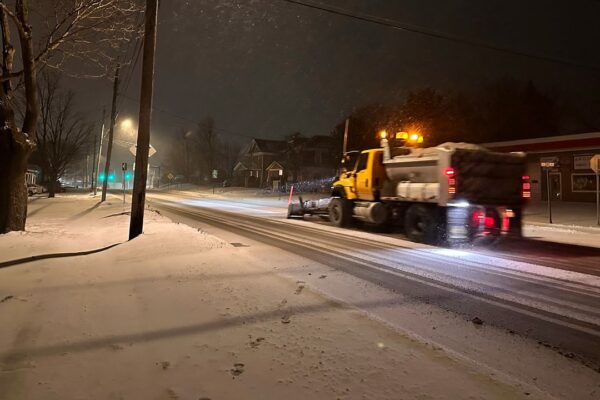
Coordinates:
column 364, row 181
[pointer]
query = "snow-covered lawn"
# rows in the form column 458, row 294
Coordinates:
column 179, row 314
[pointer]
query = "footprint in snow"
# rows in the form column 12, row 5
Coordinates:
column 238, row 369
column 164, row 364
column 300, row 287
column 256, row 342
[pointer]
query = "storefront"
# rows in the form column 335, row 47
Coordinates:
column 571, row 179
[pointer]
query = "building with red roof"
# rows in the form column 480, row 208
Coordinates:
column 572, row 178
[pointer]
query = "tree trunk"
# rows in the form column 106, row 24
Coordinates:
column 52, row 186
column 14, row 152
column 15, row 144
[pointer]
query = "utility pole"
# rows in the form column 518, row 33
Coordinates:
column 549, row 194
column 93, row 177
column 345, row 148
column 96, row 172
column 111, row 132
column 138, row 195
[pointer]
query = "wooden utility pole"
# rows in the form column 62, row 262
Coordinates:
column 345, row 146
column 97, row 160
column 111, row 132
column 143, row 140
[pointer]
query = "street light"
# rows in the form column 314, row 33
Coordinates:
column 127, row 124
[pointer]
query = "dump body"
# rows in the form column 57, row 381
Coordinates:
column 454, row 172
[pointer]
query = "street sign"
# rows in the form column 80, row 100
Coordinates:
column 124, row 166
column 215, row 174
column 151, row 150
column 170, row 176
column 549, row 162
column 595, row 163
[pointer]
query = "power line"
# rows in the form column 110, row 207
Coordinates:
column 137, row 48
column 434, row 34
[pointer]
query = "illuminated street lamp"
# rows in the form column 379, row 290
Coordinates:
column 127, row 124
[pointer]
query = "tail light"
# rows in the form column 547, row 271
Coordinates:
column 526, row 187
column 477, row 217
column 451, row 174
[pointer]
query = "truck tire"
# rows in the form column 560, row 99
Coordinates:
column 419, row 224
column 340, row 212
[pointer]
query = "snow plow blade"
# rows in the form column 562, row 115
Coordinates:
column 312, row 207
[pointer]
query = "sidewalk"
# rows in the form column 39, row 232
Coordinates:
column 563, row 213
column 179, row 314
column 573, row 223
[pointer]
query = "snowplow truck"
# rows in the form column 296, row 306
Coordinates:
column 454, row 192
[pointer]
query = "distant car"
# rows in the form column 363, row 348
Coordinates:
column 59, row 187
column 34, row 189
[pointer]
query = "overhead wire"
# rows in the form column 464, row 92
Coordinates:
column 390, row 23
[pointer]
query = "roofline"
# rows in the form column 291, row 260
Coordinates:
column 587, row 149
column 548, row 139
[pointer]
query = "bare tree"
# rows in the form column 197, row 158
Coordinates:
column 61, row 134
column 182, row 157
column 230, row 157
column 207, row 143
column 92, row 32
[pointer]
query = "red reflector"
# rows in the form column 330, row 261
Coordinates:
column 505, row 224
column 449, row 171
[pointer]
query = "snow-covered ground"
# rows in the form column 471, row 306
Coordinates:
column 180, row 314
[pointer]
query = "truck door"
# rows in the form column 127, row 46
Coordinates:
column 364, row 178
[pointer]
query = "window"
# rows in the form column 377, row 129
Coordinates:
column 362, row 162
column 583, row 182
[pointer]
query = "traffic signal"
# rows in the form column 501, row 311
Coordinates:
column 101, row 177
column 111, row 177
column 128, row 175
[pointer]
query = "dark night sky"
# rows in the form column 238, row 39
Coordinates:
column 267, row 68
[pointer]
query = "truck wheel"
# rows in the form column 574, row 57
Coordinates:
column 419, row 224
column 340, row 212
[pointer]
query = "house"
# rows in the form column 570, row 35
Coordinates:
column 250, row 170
column 294, row 160
column 571, row 179
column 32, row 175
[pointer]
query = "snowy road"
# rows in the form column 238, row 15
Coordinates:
column 558, row 309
